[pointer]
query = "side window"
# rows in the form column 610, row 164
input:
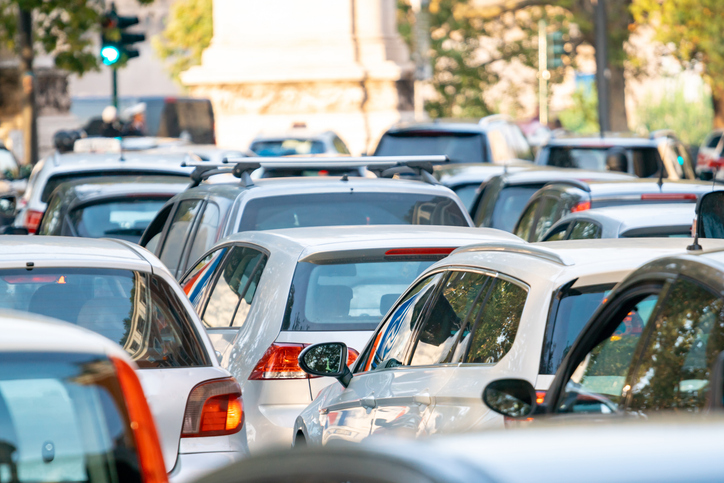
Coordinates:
column 497, row 324
column 206, row 232
column 525, row 224
column 232, row 295
column 339, row 145
column 680, row 348
column 684, row 160
column 597, row 383
column 551, row 211
column 51, row 223
column 558, row 233
column 439, row 331
column 198, row 281
column 584, row 230
column 646, row 161
column 177, row 232
column 484, row 210
column 388, row 349
column 153, row 232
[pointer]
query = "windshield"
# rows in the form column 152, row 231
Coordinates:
column 459, row 147
column 571, row 310
column 350, row 296
column 510, row 204
column 351, row 208
column 287, row 147
column 62, row 418
column 126, row 220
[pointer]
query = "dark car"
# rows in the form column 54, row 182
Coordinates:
column 494, row 139
column 193, row 221
column 640, row 156
column 499, row 202
column 118, row 207
column 557, row 199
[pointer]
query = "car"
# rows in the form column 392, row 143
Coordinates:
column 192, row 222
column 124, row 293
column 655, row 345
column 629, row 452
column 559, row 198
column 710, row 158
column 265, row 295
column 465, row 179
column 298, row 141
column 59, row 168
column 499, row 202
column 495, row 139
column 121, row 207
column 631, row 221
column 488, row 311
column 71, row 407
column 637, row 155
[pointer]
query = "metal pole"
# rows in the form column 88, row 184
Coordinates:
column 114, row 88
column 29, row 110
column 543, row 74
column 423, row 69
column 602, row 72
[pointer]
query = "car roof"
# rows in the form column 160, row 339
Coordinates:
column 73, row 162
column 639, row 215
column 443, row 126
column 542, row 174
column 25, row 332
column 88, row 188
column 602, row 188
column 608, row 140
column 453, row 174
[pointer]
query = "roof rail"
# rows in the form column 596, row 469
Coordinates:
column 577, row 183
column 662, row 133
column 382, row 166
column 519, row 248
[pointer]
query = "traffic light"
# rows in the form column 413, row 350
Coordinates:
column 556, row 50
column 115, row 43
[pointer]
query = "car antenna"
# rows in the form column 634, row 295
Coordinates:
column 695, row 246
column 120, row 141
column 660, row 182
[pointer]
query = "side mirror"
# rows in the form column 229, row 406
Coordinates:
column 710, row 215
column 327, row 359
column 514, row 398
column 716, row 384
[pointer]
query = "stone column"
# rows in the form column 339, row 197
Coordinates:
column 331, row 64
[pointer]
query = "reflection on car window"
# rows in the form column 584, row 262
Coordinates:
column 126, row 220
column 206, row 233
column 180, row 226
column 558, row 233
column 526, row 221
column 198, row 280
column 597, row 383
column 682, row 346
column 510, row 204
column 584, row 230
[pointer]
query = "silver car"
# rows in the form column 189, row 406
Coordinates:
column 124, row 293
column 264, row 296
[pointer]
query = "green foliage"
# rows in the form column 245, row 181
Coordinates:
column 690, row 120
column 188, row 32
column 583, row 116
column 61, row 29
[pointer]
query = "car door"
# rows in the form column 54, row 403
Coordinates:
column 349, row 416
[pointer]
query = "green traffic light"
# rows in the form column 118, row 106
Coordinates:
column 110, row 54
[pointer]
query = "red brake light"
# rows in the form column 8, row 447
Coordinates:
column 150, row 456
column 214, row 408
column 323, row 172
column 16, row 279
column 280, row 361
column 540, row 396
column 404, row 252
column 32, row 220
column 668, row 196
column 582, row 206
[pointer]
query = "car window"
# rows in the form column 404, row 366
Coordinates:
column 448, row 314
column 647, row 162
column 197, row 282
column 339, row 145
column 122, row 219
column 597, row 383
column 499, row 146
column 673, row 158
column 390, row 343
column 496, row 325
column 713, row 141
column 552, row 210
column 510, row 204
column 585, row 230
column 486, row 201
column 207, row 232
column 287, row 147
column 229, row 301
column 527, row 219
column 679, row 351
column 153, row 232
column 557, row 233
column 52, row 222
column 459, row 147
column 466, row 193
column 177, row 232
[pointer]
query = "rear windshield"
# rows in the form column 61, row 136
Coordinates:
column 62, row 418
column 645, row 160
column 287, row 147
column 55, row 181
column 126, row 220
column 350, row 296
column 137, row 311
column 459, row 147
column 569, row 314
column 510, row 204
column 337, row 209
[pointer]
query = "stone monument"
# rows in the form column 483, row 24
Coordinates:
column 330, row 64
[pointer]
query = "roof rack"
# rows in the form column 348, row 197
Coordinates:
column 382, row 166
column 577, row 183
column 520, row 248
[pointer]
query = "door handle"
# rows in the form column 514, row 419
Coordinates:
column 368, row 402
column 422, row 399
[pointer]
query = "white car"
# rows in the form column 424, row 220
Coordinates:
column 264, row 296
column 124, row 293
column 710, row 159
column 486, row 312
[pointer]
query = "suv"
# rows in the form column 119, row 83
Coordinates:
column 192, row 222
column 636, row 155
column 495, row 139
column 557, row 199
column 298, row 141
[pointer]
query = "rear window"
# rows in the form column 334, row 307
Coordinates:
column 137, row 311
column 466, row 193
column 352, row 208
column 572, row 307
column 126, row 220
column 645, row 159
column 55, row 181
column 288, row 147
column 510, row 205
column 62, row 419
column 459, row 147
column 349, row 296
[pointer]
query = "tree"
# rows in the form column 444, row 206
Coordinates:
column 188, row 32
column 692, row 29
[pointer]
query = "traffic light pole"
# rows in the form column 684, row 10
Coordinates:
column 114, row 86
column 29, row 109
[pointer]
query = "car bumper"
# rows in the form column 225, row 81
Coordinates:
column 191, row 467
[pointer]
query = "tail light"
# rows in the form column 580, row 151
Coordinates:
column 32, row 220
column 582, row 206
column 148, row 446
column 540, row 396
column 668, row 197
column 281, row 361
column 214, row 408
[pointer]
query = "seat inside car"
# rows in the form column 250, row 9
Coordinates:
column 386, row 302
column 61, row 301
column 104, row 315
column 332, row 302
